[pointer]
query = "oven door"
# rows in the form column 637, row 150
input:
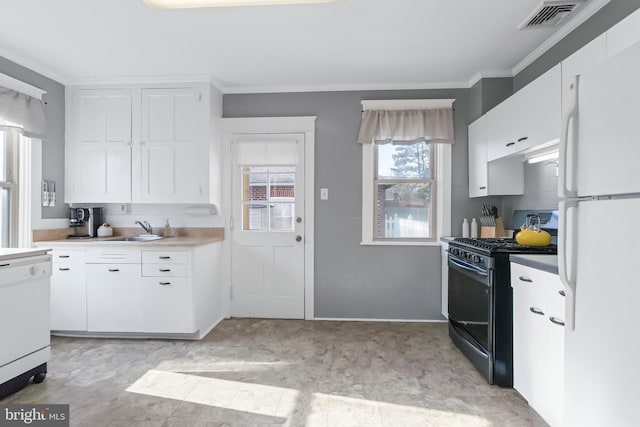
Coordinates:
column 470, row 296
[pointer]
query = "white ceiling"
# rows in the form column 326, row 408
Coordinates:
column 355, row 44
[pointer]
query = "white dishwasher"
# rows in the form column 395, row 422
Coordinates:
column 24, row 317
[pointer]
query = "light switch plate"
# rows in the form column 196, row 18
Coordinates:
column 324, row 194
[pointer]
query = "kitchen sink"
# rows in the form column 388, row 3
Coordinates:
column 142, row 238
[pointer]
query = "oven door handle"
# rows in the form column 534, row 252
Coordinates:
column 468, row 267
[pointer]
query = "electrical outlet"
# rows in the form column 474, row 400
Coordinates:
column 324, row 194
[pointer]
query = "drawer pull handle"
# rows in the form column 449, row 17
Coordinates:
column 536, row 311
column 164, row 257
column 556, row 321
column 525, row 279
column 561, row 292
column 483, row 188
column 5, row 265
column 510, row 144
column 64, row 269
column 164, row 283
column 524, row 138
column 164, row 270
column 63, row 256
column 113, row 270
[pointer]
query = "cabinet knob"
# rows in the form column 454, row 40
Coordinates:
column 298, row 238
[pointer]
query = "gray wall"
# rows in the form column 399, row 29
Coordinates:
column 53, row 147
column 354, row 281
column 486, row 94
column 600, row 22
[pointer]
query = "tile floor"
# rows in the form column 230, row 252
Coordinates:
column 250, row 372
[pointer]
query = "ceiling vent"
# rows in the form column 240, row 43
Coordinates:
column 550, row 13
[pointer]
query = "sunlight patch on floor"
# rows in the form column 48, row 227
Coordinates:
column 324, row 409
column 238, row 396
column 337, row 411
column 189, row 365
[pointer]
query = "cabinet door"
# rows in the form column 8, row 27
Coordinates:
column 528, row 333
column 589, row 56
column 168, row 306
column 540, row 101
column 478, row 158
column 503, row 128
column 68, row 296
column 174, row 153
column 98, row 152
column 114, row 298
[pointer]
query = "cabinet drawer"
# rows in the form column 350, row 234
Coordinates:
column 168, row 270
column 68, row 257
column 165, row 257
column 113, row 255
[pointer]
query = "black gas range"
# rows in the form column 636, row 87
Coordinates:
column 481, row 302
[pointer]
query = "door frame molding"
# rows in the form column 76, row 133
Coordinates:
column 261, row 125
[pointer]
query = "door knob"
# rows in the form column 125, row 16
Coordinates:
column 298, row 238
column 299, row 220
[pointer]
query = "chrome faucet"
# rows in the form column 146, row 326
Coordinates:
column 146, row 226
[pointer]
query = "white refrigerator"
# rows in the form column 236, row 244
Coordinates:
column 599, row 244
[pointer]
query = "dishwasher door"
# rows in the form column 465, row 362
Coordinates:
column 24, row 307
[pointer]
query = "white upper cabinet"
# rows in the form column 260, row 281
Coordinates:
column 173, row 154
column 624, row 34
column 478, row 158
column 499, row 177
column 142, row 144
column 529, row 118
column 98, row 147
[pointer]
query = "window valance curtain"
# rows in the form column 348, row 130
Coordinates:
column 402, row 127
column 23, row 111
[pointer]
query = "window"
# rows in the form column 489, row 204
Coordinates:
column 406, row 179
column 403, row 189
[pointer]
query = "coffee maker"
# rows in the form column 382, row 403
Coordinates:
column 85, row 222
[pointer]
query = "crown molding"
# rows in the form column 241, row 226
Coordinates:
column 36, row 67
column 585, row 12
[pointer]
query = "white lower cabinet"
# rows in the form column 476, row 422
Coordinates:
column 168, row 305
column 538, row 340
column 138, row 291
column 114, row 298
column 68, row 291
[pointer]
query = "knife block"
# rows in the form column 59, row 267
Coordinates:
column 493, row 231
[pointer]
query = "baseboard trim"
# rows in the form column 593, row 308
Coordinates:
column 351, row 319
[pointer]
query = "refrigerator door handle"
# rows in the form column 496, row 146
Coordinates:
column 568, row 121
column 567, row 266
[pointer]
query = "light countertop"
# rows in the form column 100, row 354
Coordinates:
column 13, row 253
column 548, row 263
column 162, row 243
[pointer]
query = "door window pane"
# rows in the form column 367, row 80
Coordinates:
column 274, row 187
column 5, row 217
column 404, row 210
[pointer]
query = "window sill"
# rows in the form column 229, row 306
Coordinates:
column 397, row 243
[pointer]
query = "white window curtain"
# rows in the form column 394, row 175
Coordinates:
column 402, row 127
column 23, row 111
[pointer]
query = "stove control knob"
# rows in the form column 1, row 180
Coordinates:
column 477, row 259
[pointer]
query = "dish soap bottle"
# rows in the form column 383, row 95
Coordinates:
column 167, row 229
column 474, row 228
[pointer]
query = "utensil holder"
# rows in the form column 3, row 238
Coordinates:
column 493, row 231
